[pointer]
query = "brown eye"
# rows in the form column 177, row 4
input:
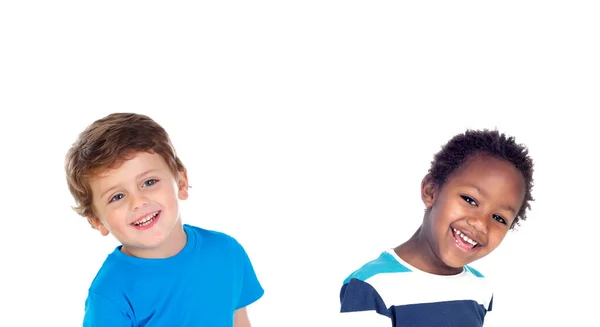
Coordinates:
column 499, row 219
column 469, row 200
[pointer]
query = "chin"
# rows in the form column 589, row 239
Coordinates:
column 454, row 261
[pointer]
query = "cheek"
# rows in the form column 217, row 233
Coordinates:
column 448, row 212
column 171, row 202
column 496, row 236
column 114, row 213
column 169, row 197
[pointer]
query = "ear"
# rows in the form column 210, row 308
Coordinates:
column 428, row 191
column 97, row 224
column 182, row 185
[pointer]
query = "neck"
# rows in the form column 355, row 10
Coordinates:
column 171, row 246
column 417, row 252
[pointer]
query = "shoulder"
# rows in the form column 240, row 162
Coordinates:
column 365, row 289
column 476, row 277
column 215, row 239
column 208, row 235
column 374, row 279
column 483, row 289
column 384, row 264
column 108, row 282
column 474, row 272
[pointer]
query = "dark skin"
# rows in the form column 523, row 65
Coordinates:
column 467, row 217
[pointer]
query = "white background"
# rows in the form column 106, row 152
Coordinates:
column 306, row 128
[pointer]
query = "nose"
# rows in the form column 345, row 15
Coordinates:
column 479, row 223
column 137, row 201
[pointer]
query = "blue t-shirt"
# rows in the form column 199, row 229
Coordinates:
column 202, row 285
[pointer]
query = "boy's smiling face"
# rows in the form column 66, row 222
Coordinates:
column 138, row 202
column 469, row 216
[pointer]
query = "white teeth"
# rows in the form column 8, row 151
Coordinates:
column 146, row 220
column 464, row 237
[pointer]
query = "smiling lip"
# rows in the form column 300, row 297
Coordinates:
column 465, row 245
column 147, row 221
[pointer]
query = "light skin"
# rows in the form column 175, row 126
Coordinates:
column 141, row 187
column 240, row 318
column 478, row 201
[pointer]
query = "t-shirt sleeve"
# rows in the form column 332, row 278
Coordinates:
column 250, row 288
column 102, row 312
column 361, row 305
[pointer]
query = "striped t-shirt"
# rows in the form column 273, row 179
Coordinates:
column 389, row 292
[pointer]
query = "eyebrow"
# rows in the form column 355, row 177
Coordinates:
column 109, row 190
column 139, row 176
column 485, row 194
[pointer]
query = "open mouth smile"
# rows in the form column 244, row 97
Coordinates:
column 147, row 221
column 463, row 242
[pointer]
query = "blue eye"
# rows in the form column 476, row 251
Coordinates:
column 117, row 197
column 150, row 182
column 499, row 219
column 469, row 200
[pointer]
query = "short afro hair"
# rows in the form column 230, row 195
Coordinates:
column 489, row 142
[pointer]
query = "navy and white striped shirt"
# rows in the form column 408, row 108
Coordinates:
column 389, row 292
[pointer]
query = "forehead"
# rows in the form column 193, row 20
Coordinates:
column 496, row 176
column 129, row 168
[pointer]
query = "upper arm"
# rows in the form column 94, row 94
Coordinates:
column 250, row 289
column 361, row 305
column 240, row 318
column 100, row 312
